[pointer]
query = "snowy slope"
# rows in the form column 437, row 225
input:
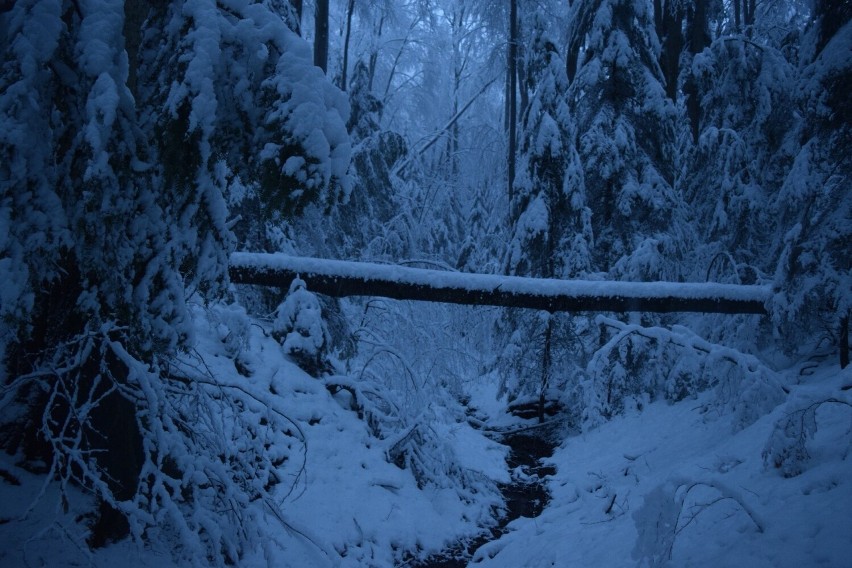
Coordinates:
column 673, row 485
column 675, row 477
column 348, row 506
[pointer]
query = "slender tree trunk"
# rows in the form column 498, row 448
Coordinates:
column 658, row 17
column 512, row 95
column 749, row 7
column 844, row 341
column 545, row 367
column 737, row 17
column 350, row 8
column 321, row 36
column 507, row 88
column 698, row 38
column 135, row 12
column 523, row 83
column 571, row 62
column 297, row 8
column 458, row 69
column 669, row 30
column 454, row 138
column 374, row 53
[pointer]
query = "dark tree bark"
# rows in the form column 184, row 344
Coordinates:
column 297, row 10
column 338, row 278
column 512, row 95
column 844, row 341
column 523, row 83
column 698, row 38
column 374, row 54
column 749, row 7
column 571, row 62
column 545, row 369
column 737, row 16
column 669, row 23
column 350, row 8
column 321, row 36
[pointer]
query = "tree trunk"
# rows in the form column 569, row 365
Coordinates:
column 669, row 29
column 458, row 67
column 341, row 278
column 512, row 71
column 350, row 8
column 321, row 36
column 844, row 341
column 749, row 7
column 297, row 9
column 698, row 38
column 523, row 83
column 545, row 367
column 737, row 17
column 571, row 62
column 135, row 12
column 374, row 54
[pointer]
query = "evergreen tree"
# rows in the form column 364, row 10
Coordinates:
column 742, row 151
column 363, row 219
column 814, row 275
column 626, row 140
column 113, row 212
column 552, row 235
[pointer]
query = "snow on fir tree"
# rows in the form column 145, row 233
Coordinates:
column 625, row 125
column 552, row 233
column 300, row 329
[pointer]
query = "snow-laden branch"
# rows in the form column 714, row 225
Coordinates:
column 437, row 135
column 347, row 278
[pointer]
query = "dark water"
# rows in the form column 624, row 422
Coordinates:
column 526, row 495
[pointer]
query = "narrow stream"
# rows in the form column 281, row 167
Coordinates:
column 526, row 495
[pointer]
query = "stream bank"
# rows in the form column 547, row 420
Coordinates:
column 525, row 495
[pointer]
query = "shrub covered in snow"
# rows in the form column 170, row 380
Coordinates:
column 639, row 364
column 787, row 447
column 300, row 329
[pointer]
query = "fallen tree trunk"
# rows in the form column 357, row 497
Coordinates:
column 345, row 278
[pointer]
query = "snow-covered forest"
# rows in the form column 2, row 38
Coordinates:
column 153, row 412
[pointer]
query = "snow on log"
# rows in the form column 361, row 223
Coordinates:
column 346, row 278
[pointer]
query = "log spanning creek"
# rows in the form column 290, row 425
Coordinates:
column 525, row 496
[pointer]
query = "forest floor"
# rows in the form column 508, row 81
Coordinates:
column 675, row 484
column 681, row 485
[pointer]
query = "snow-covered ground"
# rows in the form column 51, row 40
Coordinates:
column 673, row 484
